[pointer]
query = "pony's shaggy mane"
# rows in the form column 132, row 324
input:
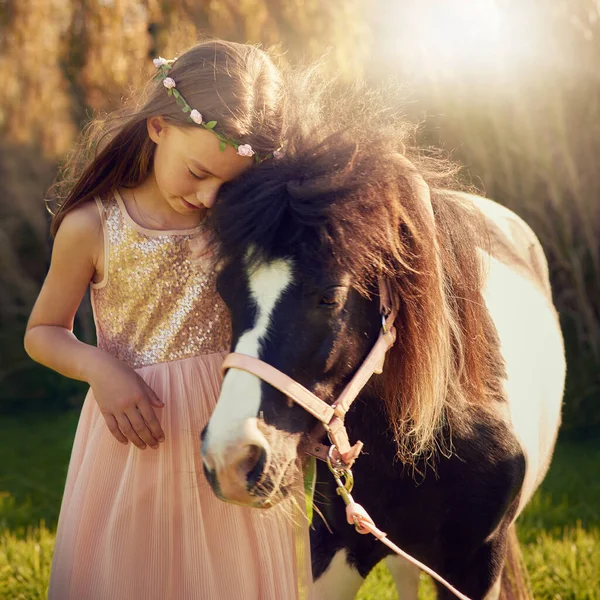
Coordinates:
column 350, row 196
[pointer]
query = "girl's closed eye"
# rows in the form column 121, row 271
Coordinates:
column 195, row 175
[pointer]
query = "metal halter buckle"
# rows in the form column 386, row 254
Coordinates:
column 344, row 488
column 383, row 325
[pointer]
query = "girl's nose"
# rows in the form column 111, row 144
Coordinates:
column 208, row 196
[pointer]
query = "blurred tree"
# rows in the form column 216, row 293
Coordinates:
column 61, row 60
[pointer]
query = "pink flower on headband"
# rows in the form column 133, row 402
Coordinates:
column 159, row 62
column 278, row 154
column 169, row 83
column 245, row 150
column 196, row 117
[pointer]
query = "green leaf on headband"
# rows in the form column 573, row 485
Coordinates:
column 170, row 92
column 222, row 146
column 211, row 125
column 186, row 108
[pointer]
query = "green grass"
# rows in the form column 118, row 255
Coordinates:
column 25, row 563
column 559, row 531
column 34, row 455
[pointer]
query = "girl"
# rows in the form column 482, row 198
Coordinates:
column 139, row 522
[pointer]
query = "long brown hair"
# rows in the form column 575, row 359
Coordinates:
column 237, row 85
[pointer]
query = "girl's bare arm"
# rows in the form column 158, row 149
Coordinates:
column 123, row 397
column 49, row 338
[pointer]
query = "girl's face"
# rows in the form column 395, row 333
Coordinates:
column 189, row 167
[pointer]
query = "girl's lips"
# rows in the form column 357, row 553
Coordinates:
column 189, row 205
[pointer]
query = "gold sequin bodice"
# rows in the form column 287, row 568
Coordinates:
column 153, row 305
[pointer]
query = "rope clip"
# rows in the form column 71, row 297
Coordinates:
column 344, row 488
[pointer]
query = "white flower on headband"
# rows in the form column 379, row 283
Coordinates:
column 196, row 117
column 169, row 83
column 159, row 62
column 245, row 150
column 278, row 154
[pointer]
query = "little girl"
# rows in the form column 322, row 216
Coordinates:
column 139, row 522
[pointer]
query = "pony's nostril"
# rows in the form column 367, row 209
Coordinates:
column 252, row 459
column 254, row 464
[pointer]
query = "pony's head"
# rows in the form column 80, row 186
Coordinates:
column 303, row 243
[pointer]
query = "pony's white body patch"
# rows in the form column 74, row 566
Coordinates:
column 340, row 581
column 240, row 396
column 500, row 215
column 494, row 593
column 405, row 575
column 532, row 348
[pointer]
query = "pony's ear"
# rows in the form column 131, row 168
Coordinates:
column 416, row 224
column 417, row 185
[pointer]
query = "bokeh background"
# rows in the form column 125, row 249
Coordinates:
column 510, row 88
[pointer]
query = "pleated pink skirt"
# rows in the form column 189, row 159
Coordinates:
column 144, row 524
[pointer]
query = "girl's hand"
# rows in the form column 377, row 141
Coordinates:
column 126, row 401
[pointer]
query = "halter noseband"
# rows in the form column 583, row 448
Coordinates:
column 331, row 416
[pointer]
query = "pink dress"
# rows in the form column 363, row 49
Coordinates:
column 145, row 524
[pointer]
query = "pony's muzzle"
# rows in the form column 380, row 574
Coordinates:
column 235, row 471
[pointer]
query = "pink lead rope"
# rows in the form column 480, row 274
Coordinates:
column 332, row 419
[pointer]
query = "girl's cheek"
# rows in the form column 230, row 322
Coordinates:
column 178, row 182
column 182, row 184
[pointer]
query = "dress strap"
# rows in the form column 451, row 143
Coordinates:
column 102, row 209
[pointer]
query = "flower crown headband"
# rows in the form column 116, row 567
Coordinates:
column 164, row 66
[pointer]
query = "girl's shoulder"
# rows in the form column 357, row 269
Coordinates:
column 81, row 223
column 81, row 231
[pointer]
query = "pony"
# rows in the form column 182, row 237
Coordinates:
column 460, row 426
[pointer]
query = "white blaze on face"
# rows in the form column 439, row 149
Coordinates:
column 240, row 396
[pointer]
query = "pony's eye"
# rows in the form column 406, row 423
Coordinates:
column 332, row 297
column 328, row 300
